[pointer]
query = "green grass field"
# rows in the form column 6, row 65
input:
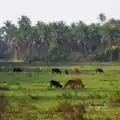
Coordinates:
column 96, row 96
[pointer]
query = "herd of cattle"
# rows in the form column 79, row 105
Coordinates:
column 73, row 83
column 54, row 70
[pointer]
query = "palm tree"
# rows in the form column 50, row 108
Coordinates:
column 24, row 27
column 80, row 35
column 6, row 29
column 24, row 22
column 25, row 32
column 102, row 17
column 116, row 24
column 108, row 33
column 15, row 46
column 11, row 35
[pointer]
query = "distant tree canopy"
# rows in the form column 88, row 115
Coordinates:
column 56, row 41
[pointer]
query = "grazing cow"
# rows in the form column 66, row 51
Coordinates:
column 3, row 68
column 99, row 70
column 74, row 83
column 55, row 83
column 66, row 72
column 76, row 70
column 17, row 70
column 56, row 70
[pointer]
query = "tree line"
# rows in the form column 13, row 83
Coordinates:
column 57, row 41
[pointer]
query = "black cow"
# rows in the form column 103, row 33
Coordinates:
column 56, row 70
column 55, row 83
column 66, row 72
column 99, row 70
column 17, row 70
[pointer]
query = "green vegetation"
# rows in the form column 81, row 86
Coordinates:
column 56, row 41
column 30, row 94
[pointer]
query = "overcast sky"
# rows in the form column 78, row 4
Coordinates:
column 55, row 10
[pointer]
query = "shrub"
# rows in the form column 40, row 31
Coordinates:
column 115, row 99
column 71, row 111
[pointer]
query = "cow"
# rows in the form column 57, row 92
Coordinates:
column 76, row 70
column 56, row 70
column 66, row 72
column 99, row 70
column 55, row 83
column 3, row 68
column 74, row 83
column 17, row 70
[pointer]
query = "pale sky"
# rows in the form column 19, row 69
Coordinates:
column 55, row 10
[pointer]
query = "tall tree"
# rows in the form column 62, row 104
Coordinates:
column 108, row 33
column 102, row 17
column 24, row 27
column 80, row 32
column 57, row 39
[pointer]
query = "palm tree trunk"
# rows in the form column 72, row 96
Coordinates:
column 85, row 50
column 15, row 54
column 110, row 46
column 30, row 50
column 71, row 51
column 46, row 45
column 18, row 52
column 56, row 43
column 89, row 47
column 110, row 57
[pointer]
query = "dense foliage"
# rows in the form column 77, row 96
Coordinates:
column 56, row 41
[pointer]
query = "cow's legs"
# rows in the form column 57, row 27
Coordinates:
column 51, row 85
column 56, row 86
column 52, row 72
column 73, row 86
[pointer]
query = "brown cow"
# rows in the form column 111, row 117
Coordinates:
column 76, row 70
column 74, row 83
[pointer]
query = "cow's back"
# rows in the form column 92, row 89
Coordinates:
column 76, row 81
column 56, row 70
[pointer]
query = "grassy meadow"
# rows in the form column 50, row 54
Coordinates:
column 98, row 97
